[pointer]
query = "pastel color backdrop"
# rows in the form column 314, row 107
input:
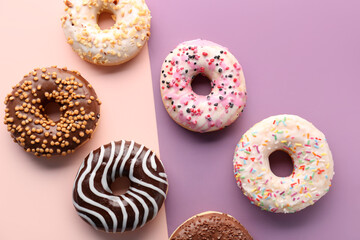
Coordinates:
column 36, row 193
column 299, row 57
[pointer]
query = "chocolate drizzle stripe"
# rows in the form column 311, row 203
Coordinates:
column 135, row 180
column 162, row 174
column 151, row 199
column 124, row 215
column 94, row 198
column 88, row 200
column 126, row 158
column 104, row 176
column 88, row 220
column 153, row 163
column 136, row 210
column 114, row 198
column 99, row 194
column 101, row 218
column 143, row 203
column 146, row 170
column 121, row 151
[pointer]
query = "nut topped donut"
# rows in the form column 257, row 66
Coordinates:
column 94, row 200
column 113, row 46
column 312, row 160
column 28, row 122
column 195, row 112
column 210, row 226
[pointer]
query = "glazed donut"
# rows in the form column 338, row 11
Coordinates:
column 196, row 112
column 312, row 160
column 211, row 225
column 113, row 46
column 94, row 200
column 28, row 123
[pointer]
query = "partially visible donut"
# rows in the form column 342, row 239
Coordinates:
column 195, row 112
column 211, row 225
column 113, row 46
column 28, row 123
column 95, row 201
column 311, row 155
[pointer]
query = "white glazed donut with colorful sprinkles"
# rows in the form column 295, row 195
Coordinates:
column 113, row 46
column 196, row 112
column 312, row 160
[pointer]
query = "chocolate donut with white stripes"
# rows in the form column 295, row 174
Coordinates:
column 94, row 200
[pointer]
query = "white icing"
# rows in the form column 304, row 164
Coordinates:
column 197, row 112
column 111, row 46
column 97, row 193
column 104, row 176
column 135, row 180
column 136, row 211
column 153, row 162
column 163, row 175
column 88, row 200
column 88, row 220
column 151, row 199
column 146, row 208
column 121, row 151
column 313, row 164
column 97, row 215
column 126, row 158
column 146, row 170
column 136, row 194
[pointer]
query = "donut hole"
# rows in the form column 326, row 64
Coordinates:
column 52, row 111
column 120, row 186
column 106, row 20
column 281, row 163
column 201, row 85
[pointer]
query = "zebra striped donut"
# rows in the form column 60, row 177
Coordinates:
column 94, row 200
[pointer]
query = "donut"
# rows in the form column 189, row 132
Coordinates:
column 28, row 123
column 95, row 202
column 113, row 46
column 211, row 225
column 306, row 145
column 195, row 112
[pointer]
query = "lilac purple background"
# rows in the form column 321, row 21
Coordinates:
column 299, row 57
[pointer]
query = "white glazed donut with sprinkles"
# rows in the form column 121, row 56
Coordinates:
column 312, row 160
column 195, row 112
column 113, row 46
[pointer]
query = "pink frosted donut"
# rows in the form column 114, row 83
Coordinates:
column 195, row 112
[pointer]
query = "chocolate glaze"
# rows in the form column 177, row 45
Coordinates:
column 94, row 200
column 28, row 123
column 211, row 226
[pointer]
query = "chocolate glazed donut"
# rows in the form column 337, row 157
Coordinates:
column 28, row 123
column 96, row 203
column 211, row 225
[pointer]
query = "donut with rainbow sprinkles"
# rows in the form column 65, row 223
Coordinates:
column 311, row 156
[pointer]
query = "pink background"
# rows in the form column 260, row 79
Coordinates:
column 36, row 196
column 299, row 57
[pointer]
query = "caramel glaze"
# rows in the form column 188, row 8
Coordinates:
column 211, row 226
column 28, row 123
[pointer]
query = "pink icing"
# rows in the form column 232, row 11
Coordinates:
column 203, row 113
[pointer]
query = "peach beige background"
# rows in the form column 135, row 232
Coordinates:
column 36, row 196
column 299, row 57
